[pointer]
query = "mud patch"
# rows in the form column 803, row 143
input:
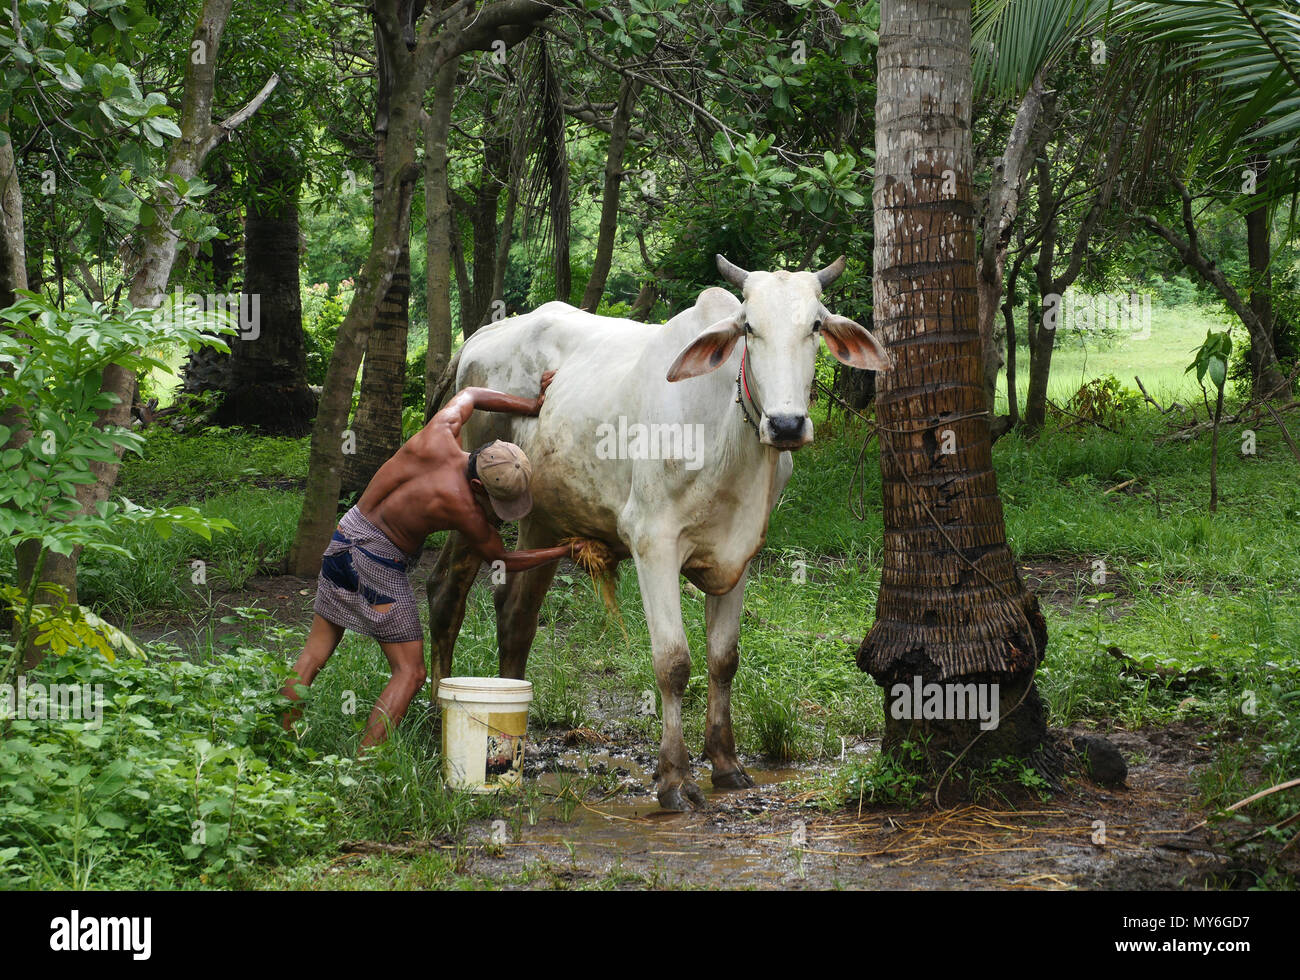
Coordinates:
column 601, row 825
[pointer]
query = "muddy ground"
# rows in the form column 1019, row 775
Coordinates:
column 599, row 823
column 775, row 836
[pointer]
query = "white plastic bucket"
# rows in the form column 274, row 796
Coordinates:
column 484, row 730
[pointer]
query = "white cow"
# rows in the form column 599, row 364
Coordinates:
column 624, row 396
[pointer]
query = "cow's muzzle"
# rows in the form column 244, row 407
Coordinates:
column 786, row 431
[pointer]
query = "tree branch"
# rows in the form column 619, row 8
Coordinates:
column 219, row 133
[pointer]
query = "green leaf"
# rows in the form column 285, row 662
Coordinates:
column 1218, row 369
column 110, row 819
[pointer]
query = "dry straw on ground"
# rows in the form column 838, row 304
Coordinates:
column 597, row 559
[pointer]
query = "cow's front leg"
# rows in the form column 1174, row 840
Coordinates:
column 658, row 573
column 722, row 623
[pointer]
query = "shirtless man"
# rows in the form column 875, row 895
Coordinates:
column 430, row 484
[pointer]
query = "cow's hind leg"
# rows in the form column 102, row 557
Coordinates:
column 722, row 623
column 518, row 601
column 448, row 590
column 658, row 573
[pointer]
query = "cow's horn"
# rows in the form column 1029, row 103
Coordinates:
column 734, row 274
column 832, row 272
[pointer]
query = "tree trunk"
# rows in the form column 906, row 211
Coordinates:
column 1002, row 426
column 999, row 219
column 480, row 28
column 438, row 231
column 856, row 388
column 555, row 158
column 1052, row 287
column 13, row 236
column 208, row 369
column 952, row 607
column 620, row 127
column 1265, row 374
column 483, row 222
column 645, row 301
column 267, row 385
column 378, row 421
column 377, row 424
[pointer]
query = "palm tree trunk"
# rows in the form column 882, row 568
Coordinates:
column 267, row 384
column 952, row 607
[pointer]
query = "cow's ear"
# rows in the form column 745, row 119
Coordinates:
column 707, row 351
column 853, row 344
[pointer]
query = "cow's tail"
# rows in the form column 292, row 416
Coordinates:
column 441, row 392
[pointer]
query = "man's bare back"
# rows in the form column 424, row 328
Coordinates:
column 425, row 487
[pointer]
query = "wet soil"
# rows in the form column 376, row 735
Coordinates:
column 601, row 826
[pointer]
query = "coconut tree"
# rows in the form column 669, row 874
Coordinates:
column 952, row 607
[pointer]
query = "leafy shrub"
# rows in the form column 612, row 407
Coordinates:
column 55, row 358
column 179, row 774
column 1175, row 291
column 885, row 779
column 321, row 329
column 1104, row 400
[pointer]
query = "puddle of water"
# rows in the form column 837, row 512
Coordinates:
column 632, row 830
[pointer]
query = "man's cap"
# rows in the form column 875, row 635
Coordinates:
column 506, row 473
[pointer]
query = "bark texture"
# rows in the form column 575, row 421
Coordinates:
column 951, row 604
column 438, row 231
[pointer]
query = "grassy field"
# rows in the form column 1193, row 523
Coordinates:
column 1184, row 589
column 1159, row 359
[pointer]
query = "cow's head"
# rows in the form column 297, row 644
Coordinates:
column 780, row 320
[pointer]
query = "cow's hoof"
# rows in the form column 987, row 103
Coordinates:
column 736, row 779
column 687, row 796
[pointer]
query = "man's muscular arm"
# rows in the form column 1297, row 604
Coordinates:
column 491, row 548
column 463, row 404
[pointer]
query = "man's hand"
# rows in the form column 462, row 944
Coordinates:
column 541, row 395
